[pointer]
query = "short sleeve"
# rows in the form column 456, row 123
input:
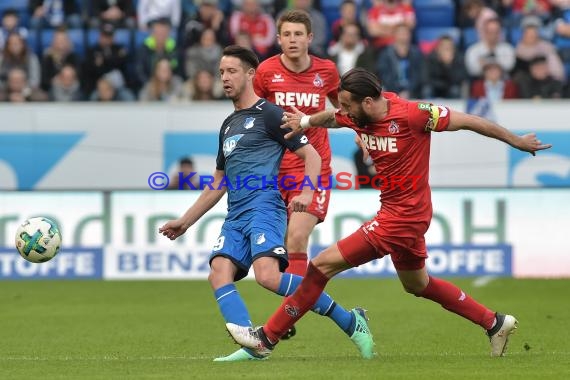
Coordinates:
column 272, row 117
column 343, row 120
column 427, row 117
column 221, row 159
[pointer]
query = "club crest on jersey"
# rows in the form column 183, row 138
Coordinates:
column 318, row 82
column 249, row 122
column 393, row 128
column 230, row 144
column 277, row 78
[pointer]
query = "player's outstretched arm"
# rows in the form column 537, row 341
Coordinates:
column 211, row 195
column 526, row 143
column 297, row 121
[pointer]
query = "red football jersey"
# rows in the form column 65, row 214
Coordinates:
column 308, row 92
column 399, row 146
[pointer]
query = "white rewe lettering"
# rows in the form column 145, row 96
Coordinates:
column 384, row 144
column 298, row 99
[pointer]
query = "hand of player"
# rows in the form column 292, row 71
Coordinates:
column 292, row 121
column 529, row 143
column 173, row 228
column 362, row 146
column 301, row 202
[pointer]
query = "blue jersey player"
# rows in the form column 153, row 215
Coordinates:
column 251, row 145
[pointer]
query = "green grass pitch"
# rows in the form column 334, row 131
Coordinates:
column 173, row 330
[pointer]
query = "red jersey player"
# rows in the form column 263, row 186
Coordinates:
column 397, row 135
column 296, row 78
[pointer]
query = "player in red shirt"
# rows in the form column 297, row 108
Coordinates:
column 296, row 78
column 397, row 135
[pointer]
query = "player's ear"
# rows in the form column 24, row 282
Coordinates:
column 310, row 37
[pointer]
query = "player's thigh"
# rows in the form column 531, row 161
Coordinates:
column 299, row 229
column 234, row 246
column 266, row 235
column 331, row 261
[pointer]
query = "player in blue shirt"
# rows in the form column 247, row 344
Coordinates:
column 251, row 146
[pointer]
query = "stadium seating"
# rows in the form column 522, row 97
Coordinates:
column 427, row 36
column 515, row 35
column 438, row 13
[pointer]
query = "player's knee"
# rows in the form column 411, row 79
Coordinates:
column 297, row 238
column 414, row 288
column 222, row 272
column 269, row 279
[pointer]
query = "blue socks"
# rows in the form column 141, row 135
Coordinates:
column 325, row 304
column 231, row 305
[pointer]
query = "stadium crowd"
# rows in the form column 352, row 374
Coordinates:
column 168, row 50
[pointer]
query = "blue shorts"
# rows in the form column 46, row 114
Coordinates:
column 255, row 234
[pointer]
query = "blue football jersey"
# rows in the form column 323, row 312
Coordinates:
column 251, row 146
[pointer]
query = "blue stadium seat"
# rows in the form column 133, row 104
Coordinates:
column 434, row 33
column 33, row 42
column 435, row 12
column 515, row 35
column 121, row 37
column 19, row 5
column 470, row 36
column 75, row 35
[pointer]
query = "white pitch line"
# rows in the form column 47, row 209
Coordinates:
column 482, row 281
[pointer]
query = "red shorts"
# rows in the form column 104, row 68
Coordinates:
column 292, row 187
column 373, row 240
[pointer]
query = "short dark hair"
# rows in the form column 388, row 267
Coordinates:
column 186, row 161
column 361, row 84
column 245, row 55
column 295, row 16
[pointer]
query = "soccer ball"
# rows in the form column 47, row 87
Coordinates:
column 38, row 239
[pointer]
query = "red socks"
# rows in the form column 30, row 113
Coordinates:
column 453, row 299
column 296, row 305
column 297, row 263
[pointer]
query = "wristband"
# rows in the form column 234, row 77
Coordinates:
column 304, row 123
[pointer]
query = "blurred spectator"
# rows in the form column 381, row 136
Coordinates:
column 400, row 65
column 204, row 86
column 65, row 85
column 319, row 25
column 517, row 9
column 185, row 169
column 107, row 91
column 383, row 18
column 155, row 47
column 104, row 57
column 348, row 15
column 58, row 54
column 203, row 56
column 446, row 74
column 18, row 89
column 18, row 55
column 259, row 25
column 54, row 13
column 268, row 6
column 490, row 46
column 150, row 10
column 494, row 85
column 532, row 45
column 163, row 85
column 11, row 24
column 476, row 14
column 350, row 48
column 539, row 84
column 208, row 17
column 118, row 12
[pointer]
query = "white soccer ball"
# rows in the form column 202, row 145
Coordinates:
column 38, row 239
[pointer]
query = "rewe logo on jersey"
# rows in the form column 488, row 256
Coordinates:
column 230, row 144
column 384, row 144
column 297, row 99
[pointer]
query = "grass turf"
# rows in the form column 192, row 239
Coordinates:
column 173, row 330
